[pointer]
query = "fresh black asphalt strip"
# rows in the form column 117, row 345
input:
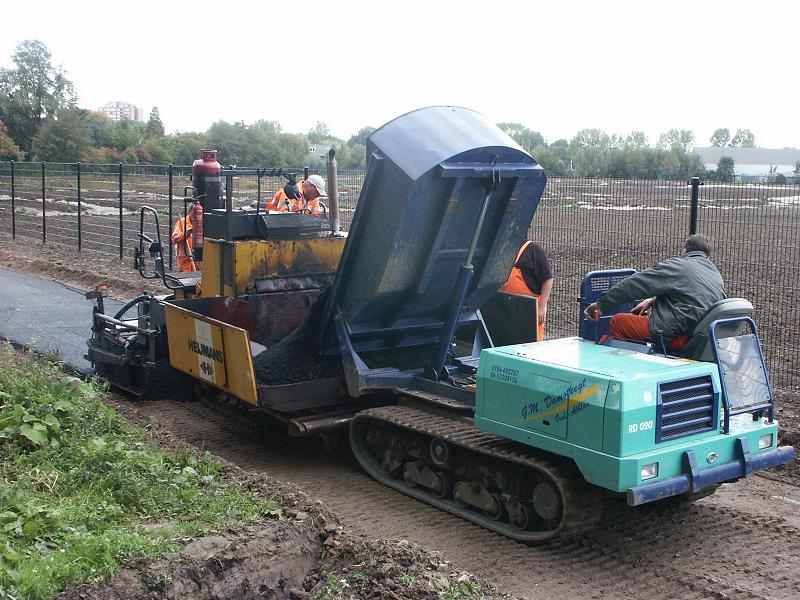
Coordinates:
column 47, row 316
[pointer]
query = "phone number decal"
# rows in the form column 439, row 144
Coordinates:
column 506, row 374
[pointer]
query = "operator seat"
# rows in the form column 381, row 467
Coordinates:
column 699, row 345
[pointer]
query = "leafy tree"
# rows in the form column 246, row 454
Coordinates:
column 270, row 127
column 232, row 143
column 592, row 138
column 104, row 155
column 616, row 141
column 356, row 157
column 293, row 150
column 66, row 137
column 743, row 138
column 694, row 166
column 636, row 140
column 97, row 122
column 720, row 138
column 31, row 92
column 252, row 146
column 591, row 162
column 360, row 137
column 143, row 156
column 725, row 169
column 155, row 128
column 122, row 134
column 8, row 149
column 797, row 170
column 676, row 139
column 777, row 178
column 158, row 151
column 527, row 138
column 550, row 161
column 185, row 147
column 319, row 133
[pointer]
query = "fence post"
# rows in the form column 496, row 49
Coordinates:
column 44, row 211
column 13, row 205
column 258, row 195
column 120, row 212
column 695, row 205
column 78, row 171
column 169, row 217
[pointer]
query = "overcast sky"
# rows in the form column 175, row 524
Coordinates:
column 556, row 66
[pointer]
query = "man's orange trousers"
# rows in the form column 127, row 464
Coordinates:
column 627, row 326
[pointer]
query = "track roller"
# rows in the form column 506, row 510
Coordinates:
column 475, row 495
column 417, row 473
column 515, row 490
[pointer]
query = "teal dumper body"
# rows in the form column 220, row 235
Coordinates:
column 643, row 424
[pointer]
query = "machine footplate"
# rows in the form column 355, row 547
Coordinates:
column 499, row 484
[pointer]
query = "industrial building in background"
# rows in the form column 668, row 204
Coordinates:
column 119, row 111
column 755, row 165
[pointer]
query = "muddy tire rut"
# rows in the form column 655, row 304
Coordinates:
column 742, row 542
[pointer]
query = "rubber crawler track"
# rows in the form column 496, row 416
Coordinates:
column 582, row 504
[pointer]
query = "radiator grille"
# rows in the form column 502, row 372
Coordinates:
column 685, row 407
column 227, row 264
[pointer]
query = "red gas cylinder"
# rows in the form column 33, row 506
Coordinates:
column 205, row 179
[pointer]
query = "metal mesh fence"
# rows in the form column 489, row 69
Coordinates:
column 584, row 224
column 594, row 224
column 754, row 228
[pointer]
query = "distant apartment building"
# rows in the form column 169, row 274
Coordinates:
column 118, row 111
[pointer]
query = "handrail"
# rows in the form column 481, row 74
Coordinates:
column 756, row 409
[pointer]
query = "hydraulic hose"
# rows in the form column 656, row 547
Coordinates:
column 130, row 304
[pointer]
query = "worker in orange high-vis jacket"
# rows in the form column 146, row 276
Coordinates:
column 532, row 276
column 182, row 239
column 311, row 190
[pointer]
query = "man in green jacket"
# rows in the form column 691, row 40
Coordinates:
column 678, row 291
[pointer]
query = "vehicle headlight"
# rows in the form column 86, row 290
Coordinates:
column 765, row 441
column 649, row 471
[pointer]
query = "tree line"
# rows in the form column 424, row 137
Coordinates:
column 40, row 120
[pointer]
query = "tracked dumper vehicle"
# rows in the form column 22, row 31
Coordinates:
column 524, row 439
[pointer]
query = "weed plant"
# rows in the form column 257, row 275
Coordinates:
column 82, row 490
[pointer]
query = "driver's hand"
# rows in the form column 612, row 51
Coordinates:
column 642, row 307
column 593, row 312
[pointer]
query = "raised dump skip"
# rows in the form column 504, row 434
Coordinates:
column 428, row 175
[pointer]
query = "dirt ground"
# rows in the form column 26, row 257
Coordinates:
column 307, row 554
column 742, row 543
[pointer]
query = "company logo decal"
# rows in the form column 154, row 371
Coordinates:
column 572, row 397
column 206, row 351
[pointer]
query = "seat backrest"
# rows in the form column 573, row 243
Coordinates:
column 593, row 285
column 699, row 345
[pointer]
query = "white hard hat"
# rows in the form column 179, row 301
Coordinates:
column 319, row 183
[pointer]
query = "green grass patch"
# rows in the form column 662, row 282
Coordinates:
column 82, row 490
